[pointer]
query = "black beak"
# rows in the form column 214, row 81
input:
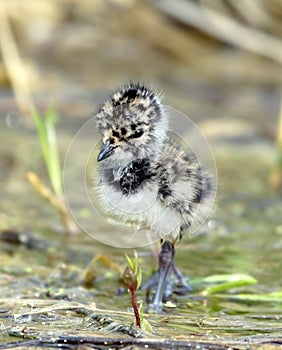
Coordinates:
column 106, row 151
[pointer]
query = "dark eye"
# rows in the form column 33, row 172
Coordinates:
column 138, row 133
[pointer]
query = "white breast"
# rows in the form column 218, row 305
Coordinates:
column 142, row 208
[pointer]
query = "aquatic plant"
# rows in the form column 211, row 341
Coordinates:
column 132, row 278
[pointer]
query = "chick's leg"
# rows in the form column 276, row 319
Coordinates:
column 165, row 263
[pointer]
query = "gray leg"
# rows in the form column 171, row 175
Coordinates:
column 165, row 262
column 153, row 281
column 162, row 278
column 185, row 288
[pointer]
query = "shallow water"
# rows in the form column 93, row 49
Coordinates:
column 41, row 275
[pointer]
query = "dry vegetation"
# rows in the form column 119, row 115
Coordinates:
column 99, row 42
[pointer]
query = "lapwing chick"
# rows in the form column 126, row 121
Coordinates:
column 148, row 177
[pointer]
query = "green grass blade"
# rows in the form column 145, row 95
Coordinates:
column 267, row 297
column 53, row 164
column 48, row 142
column 225, row 282
column 42, row 134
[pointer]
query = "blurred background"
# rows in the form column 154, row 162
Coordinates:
column 218, row 61
column 223, row 54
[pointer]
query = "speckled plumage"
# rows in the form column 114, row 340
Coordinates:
column 141, row 158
